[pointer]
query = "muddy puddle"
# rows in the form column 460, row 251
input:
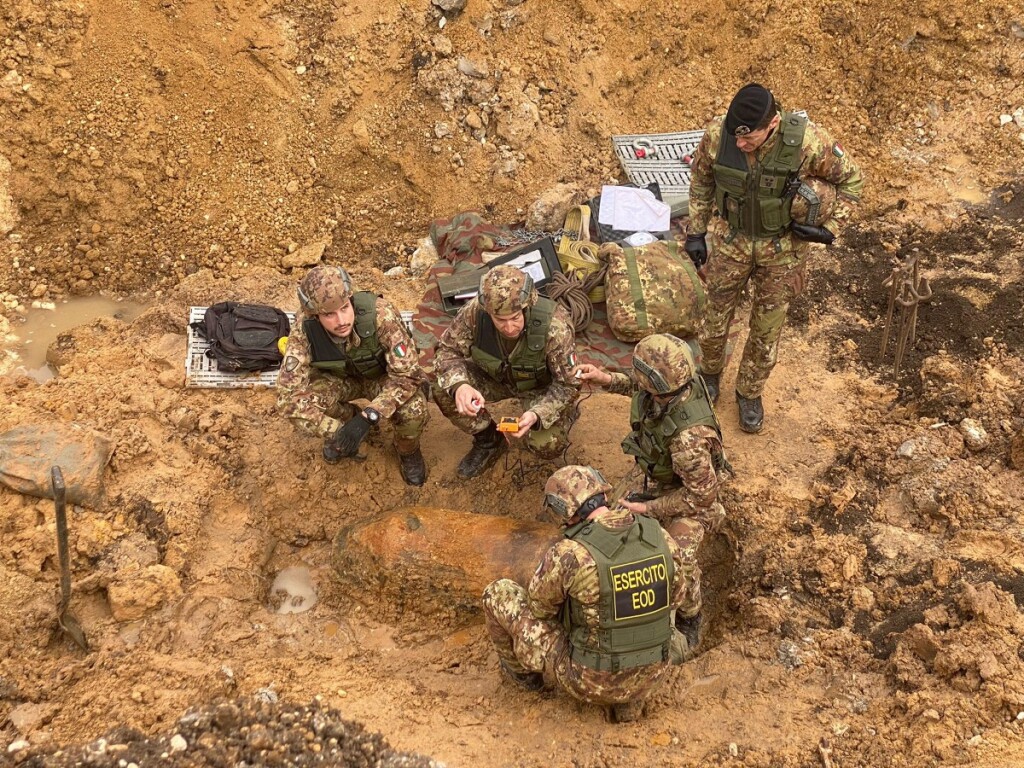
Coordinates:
column 26, row 344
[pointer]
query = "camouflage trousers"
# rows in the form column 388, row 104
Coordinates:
column 547, row 443
column 528, row 644
column 693, row 521
column 776, row 272
column 407, row 421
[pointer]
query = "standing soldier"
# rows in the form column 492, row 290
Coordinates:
column 746, row 170
column 676, row 439
column 508, row 342
column 596, row 619
column 352, row 345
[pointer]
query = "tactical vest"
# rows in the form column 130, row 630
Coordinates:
column 367, row 361
column 635, row 574
column 753, row 200
column 527, row 367
column 651, row 438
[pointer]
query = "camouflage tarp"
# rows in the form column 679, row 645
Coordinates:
column 464, row 237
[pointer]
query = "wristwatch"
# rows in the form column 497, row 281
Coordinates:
column 372, row 415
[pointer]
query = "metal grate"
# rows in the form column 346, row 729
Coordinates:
column 201, row 371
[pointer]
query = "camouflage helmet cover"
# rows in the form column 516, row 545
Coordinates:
column 324, row 289
column 505, row 290
column 663, row 363
column 570, row 486
column 813, row 202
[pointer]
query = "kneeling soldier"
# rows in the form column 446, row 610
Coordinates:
column 596, row 619
column 508, row 342
column 350, row 345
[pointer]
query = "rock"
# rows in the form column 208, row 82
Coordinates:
column 306, row 256
column 974, row 434
column 471, row 69
column 1004, row 119
column 178, row 743
column 300, row 70
column 1016, row 453
column 518, row 126
column 171, row 379
column 27, row 717
column 922, row 642
column 473, row 120
column 549, row 210
column 423, row 258
column 907, row 449
column 395, row 272
column 931, row 714
column 39, row 290
column 988, row 604
column 361, row 133
column 441, row 130
column 16, row 746
column 450, row 6
column 292, row 187
column 863, row 599
column 443, row 45
column 135, row 593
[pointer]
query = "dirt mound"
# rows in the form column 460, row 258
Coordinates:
column 254, row 731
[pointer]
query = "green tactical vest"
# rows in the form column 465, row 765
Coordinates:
column 650, row 440
column 753, row 200
column 635, row 574
column 367, row 361
column 527, row 367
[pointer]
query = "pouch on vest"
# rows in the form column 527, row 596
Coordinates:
column 652, row 289
column 243, row 337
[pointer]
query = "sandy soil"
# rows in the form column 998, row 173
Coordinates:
column 866, row 596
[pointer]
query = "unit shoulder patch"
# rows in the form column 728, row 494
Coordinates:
column 400, row 349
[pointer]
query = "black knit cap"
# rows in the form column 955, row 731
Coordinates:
column 752, row 105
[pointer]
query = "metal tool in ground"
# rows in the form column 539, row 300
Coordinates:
column 907, row 289
column 65, row 619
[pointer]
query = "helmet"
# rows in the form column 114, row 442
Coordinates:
column 569, row 489
column 505, row 289
column 813, row 202
column 324, row 289
column 663, row 363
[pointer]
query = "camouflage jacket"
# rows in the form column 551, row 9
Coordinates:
column 298, row 398
column 693, row 461
column 569, row 570
column 822, row 157
column 452, row 358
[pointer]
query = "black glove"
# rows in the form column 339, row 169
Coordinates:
column 696, row 248
column 811, row 234
column 345, row 443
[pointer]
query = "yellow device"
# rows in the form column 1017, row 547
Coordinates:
column 508, row 424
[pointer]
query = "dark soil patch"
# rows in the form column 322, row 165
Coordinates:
column 948, row 321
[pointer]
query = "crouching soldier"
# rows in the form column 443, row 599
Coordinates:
column 350, row 345
column 508, row 342
column 597, row 617
column 676, row 439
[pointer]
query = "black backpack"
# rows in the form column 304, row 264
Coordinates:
column 243, row 337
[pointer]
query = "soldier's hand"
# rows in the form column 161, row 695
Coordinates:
column 812, row 234
column 696, row 247
column 526, row 422
column 346, row 441
column 636, row 507
column 468, row 401
column 588, row 372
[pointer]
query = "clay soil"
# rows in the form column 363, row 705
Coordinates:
column 865, row 599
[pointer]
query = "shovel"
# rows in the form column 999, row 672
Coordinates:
column 65, row 619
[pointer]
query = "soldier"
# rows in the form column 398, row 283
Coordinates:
column 745, row 171
column 348, row 345
column 676, row 439
column 596, row 619
column 508, row 342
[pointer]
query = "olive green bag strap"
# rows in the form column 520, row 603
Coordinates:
column 634, row 289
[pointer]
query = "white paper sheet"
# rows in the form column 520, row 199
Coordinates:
column 633, row 210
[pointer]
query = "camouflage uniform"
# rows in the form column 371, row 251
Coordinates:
column 552, row 403
column 318, row 401
column 696, row 452
column 527, row 629
column 776, row 267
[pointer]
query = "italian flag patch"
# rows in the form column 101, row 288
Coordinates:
column 837, row 150
column 400, row 349
column 572, row 360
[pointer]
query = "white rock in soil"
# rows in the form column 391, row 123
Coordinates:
column 178, row 743
column 907, row 449
column 974, row 434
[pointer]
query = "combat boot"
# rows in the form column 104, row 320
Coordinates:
column 711, row 381
column 692, row 629
column 412, row 467
column 531, row 681
column 487, row 447
column 627, row 712
column 751, row 413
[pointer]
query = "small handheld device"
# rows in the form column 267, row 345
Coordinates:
column 508, row 424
